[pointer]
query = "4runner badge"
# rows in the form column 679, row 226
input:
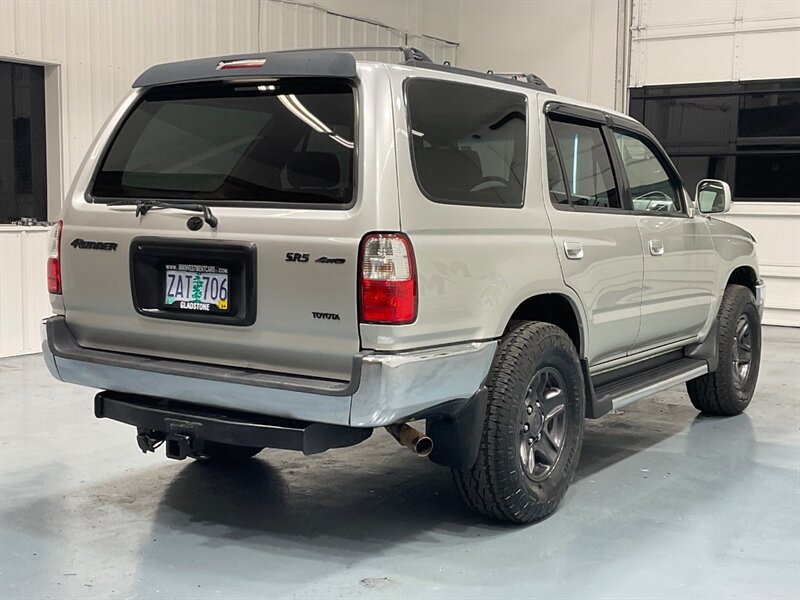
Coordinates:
column 88, row 245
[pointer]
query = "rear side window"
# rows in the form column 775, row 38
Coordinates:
column 590, row 180
column 468, row 143
column 277, row 142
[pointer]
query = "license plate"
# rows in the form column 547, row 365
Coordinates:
column 202, row 288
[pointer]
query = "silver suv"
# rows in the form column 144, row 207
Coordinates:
column 291, row 249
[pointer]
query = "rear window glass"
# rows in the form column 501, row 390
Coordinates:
column 272, row 142
column 468, row 143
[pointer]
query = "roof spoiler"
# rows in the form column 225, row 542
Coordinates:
column 312, row 62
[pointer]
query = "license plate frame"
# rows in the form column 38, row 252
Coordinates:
column 196, row 288
column 150, row 255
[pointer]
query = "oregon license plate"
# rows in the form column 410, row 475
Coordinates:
column 196, row 287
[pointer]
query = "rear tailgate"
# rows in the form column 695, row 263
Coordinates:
column 273, row 285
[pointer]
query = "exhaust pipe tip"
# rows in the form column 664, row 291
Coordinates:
column 413, row 439
column 424, row 446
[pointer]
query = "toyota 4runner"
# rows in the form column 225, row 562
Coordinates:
column 292, row 249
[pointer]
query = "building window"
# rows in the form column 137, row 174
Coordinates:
column 745, row 133
column 23, row 165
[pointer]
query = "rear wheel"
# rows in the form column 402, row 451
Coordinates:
column 729, row 389
column 219, row 452
column 533, row 429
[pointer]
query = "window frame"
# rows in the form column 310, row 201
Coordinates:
column 587, row 117
column 118, row 126
column 444, row 201
column 607, row 124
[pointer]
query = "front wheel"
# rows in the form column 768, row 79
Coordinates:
column 533, row 428
column 728, row 390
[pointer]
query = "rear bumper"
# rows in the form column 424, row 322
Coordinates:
column 189, row 426
column 384, row 388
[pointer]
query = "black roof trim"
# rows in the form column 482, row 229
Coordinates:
column 313, row 63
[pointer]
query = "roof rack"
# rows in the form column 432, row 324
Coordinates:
column 527, row 77
column 415, row 57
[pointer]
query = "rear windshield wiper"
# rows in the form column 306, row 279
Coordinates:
column 143, row 206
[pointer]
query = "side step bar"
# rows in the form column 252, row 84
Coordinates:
column 188, row 425
column 619, row 392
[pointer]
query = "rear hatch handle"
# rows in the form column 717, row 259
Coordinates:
column 144, row 206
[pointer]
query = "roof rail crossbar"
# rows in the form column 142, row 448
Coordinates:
column 410, row 54
column 527, row 77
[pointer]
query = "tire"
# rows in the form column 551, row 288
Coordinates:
column 726, row 391
column 219, row 452
column 501, row 485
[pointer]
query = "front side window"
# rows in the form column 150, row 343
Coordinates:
column 468, row 143
column 590, row 179
column 278, row 142
column 652, row 189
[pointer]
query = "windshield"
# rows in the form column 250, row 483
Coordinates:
column 285, row 142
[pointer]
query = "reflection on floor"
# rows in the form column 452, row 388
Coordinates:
column 665, row 504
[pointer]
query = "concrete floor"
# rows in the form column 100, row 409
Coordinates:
column 666, row 504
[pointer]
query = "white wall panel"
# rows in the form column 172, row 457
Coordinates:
column 682, row 59
column 571, row 44
column 697, row 41
column 687, row 12
column 765, row 56
column 23, row 292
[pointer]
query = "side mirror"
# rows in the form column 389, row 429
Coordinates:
column 713, row 197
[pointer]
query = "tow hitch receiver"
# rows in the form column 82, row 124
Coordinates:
column 178, row 446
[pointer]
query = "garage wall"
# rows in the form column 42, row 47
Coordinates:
column 693, row 41
column 95, row 49
column 124, row 37
column 571, row 44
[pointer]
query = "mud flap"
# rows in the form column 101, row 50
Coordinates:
column 457, row 439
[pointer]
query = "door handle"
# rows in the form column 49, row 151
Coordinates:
column 656, row 247
column 573, row 250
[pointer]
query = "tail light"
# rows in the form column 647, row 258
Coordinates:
column 387, row 280
column 54, row 260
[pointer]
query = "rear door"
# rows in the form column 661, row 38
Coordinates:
column 596, row 237
column 679, row 259
column 273, row 285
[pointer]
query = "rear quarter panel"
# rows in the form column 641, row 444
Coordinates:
column 475, row 265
